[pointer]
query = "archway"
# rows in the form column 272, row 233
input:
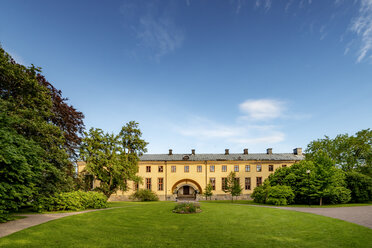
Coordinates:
column 186, row 189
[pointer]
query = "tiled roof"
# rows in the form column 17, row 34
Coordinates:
column 222, row 157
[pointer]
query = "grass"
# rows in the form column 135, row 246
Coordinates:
column 219, row 225
column 250, row 202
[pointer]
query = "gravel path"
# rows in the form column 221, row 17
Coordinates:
column 35, row 219
column 359, row 215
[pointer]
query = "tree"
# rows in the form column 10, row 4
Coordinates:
column 27, row 114
column 113, row 159
column 323, row 182
column 64, row 116
column 348, row 152
column 360, row 186
column 208, row 191
column 232, row 186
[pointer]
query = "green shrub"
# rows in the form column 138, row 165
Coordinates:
column 360, row 186
column 4, row 216
column 187, row 208
column 144, row 195
column 75, row 200
column 259, row 194
column 339, row 195
column 280, row 195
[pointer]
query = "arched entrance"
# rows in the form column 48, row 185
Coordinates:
column 186, row 189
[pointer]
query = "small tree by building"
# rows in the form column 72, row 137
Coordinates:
column 113, row 159
column 232, row 186
column 208, row 191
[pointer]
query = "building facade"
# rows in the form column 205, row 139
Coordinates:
column 185, row 176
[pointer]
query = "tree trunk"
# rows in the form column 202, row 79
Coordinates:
column 321, row 201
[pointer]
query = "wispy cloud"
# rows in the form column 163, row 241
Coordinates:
column 362, row 26
column 261, row 109
column 266, row 4
column 251, row 127
column 154, row 28
column 160, row 35
column 239, row 133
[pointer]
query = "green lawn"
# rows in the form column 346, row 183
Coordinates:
column 219, row 225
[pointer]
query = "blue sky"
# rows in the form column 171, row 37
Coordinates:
column 207, row 75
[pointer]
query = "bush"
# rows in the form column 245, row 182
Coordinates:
column 187, row 208
column 75, row 200
column 280, row 195
column 360, row 186
column 144, row 195
column 339, row 195
column 259, row 194
column 4, row 216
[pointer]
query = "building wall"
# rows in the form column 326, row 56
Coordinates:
column 170, row 179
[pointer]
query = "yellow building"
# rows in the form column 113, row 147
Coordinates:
column 185, row 176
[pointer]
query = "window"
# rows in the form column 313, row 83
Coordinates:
column 160, row 168
column 148, row 183
column 259, row 168
column 284, row 165
column 271, row 167
column 187, row 168
column 247, row 168
column 212, row 180
column 224, row 168
column 259, row 181
column 160, row 184
column 199, row 168
column 135, row 186
column 148, row 168
column 237, row 180
column 236, row 168
column 211, row 168
column 224, row 184
column 247, row 183
column 173, row 168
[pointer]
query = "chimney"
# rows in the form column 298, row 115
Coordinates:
column 170, row 152
column 269, row 151
column 226, row 151
column 193, row 151
column 297, row 151
column 245, row 151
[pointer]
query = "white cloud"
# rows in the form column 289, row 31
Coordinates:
column 262, row 109
column 362, row 26
column 239, row 133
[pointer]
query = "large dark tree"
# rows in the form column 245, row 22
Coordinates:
column 38, row 125
column 65, row 116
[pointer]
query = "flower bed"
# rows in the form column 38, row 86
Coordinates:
column 187, row 208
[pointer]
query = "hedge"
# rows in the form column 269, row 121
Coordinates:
column 75, row 200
